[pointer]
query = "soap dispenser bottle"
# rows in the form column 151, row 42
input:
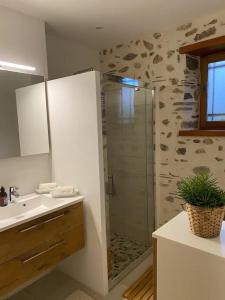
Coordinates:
column 3, row 197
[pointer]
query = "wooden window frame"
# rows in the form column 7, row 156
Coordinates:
column 204, row 62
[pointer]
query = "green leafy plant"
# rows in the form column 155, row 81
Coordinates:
column 201, row 190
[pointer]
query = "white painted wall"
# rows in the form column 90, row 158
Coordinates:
column 77, row 159
column 25, row 172
column 66, row 57
column 23, row 41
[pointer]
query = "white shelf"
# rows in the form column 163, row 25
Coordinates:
column 177, row 230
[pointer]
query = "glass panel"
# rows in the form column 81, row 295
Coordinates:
column 216, row 92
column 126, row 105
column 129, row 146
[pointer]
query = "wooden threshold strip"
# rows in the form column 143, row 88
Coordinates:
column 142, row 289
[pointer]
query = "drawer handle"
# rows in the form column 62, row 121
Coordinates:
column 42, row 223
column 54, row 218
column 43, row 252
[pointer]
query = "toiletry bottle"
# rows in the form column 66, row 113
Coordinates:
column 3, row 197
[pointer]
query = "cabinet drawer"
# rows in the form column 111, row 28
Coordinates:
column 25, row 237
column 23, row 268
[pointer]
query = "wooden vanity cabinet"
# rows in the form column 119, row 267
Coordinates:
column 33, row 247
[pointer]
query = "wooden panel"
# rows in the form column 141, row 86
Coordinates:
column 205, row 47
column 142, row 289
column 25, row 237
column 23, row 268
column 203, row 132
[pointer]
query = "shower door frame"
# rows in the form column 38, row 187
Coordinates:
column 107, row 78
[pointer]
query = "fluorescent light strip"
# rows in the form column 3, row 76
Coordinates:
column 16, row 66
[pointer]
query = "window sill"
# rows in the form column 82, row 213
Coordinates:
column 202, row 132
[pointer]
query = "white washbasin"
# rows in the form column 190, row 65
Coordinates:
column 30, row 207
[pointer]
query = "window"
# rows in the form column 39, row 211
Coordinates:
column 212, row 104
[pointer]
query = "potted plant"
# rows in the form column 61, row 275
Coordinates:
column 205, row 204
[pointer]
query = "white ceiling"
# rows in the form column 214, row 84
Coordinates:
column 121, row 19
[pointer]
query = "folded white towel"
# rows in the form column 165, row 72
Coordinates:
column 47, row 186
column 64, row 191
column 42, row 191
column 65, row 188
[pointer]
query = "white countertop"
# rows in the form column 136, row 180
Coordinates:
column 178, row 230
column 32, row 206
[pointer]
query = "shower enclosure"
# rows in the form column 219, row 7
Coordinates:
column 127, row 107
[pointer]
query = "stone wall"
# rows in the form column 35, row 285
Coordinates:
column 155, row 59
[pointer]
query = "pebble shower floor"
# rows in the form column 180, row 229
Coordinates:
column 124, row 251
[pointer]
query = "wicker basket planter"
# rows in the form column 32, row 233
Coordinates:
column 205, row 222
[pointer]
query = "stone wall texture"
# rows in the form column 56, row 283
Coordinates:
column 155, row 59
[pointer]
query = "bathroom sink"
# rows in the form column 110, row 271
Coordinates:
column 30, row 207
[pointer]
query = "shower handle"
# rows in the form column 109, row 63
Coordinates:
column 111, row 185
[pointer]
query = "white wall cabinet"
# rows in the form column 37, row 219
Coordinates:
column 189, row 267
column 77, row 159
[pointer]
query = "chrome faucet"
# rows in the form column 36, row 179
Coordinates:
column 13, row 191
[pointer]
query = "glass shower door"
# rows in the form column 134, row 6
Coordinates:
column 130, row 175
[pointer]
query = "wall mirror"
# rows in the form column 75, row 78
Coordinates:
column 23, row 115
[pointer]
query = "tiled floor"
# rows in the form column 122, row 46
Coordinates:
column 124, row 251
column 54, row 286
column 58, row 286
